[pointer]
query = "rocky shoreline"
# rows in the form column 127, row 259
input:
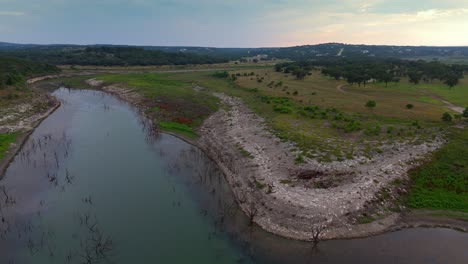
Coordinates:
column 24, row 124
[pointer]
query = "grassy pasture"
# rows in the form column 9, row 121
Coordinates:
column 319, row 136
column 443, row 182
column 5, row 142
column 391, row 101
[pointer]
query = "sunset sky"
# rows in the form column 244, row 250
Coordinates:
column 235, row 23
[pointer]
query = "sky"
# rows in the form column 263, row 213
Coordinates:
column 235, row 23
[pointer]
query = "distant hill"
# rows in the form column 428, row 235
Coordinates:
column 105, row 55
column 156, row 55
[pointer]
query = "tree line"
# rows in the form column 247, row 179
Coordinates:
column 362, row 70
column 113, row 56
column 299, row 69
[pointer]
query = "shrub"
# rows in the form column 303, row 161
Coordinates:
column 390, row 130
column 447, row 117
column 352, row 125
column 221, row 74
column 371, row 104
column 465, row 113
column 409, row 106
column 282, row 109
column 311, row 108
column 373, row 130
column 416, row 124
column 324, row 115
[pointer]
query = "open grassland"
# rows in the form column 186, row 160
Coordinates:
column 457, row 95
column 443, row 182
column 391, row 101
column 5, row 142
column 323, row 118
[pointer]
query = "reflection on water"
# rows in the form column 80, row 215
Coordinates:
column 95, row 184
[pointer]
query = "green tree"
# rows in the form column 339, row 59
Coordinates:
column 415, row 77
column 301, row 73
column 465, row 113
column 447, row 117
column 451, row 80
column 385, row 77
column 371, row 104
column 409, row 106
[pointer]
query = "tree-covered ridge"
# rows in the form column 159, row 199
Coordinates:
column 361, row 70
column 297, row 53
column 14, row 71
column 113, row 56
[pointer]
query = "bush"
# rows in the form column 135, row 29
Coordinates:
column 447, row 117
column 282, row 109
column 223, row 74
column 373, row 130
column 351, row 126
column 409, row 106
column 371, row 104
column 416, row 124
column 390, row 130
column 465, row 113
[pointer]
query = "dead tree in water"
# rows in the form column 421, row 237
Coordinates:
column 8, row 199
column 251, row 210
column 316, row 234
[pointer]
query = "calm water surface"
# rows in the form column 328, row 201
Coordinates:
column 94, row 185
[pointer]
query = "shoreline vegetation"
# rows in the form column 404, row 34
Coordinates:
column 21, row 108
column 241, row 122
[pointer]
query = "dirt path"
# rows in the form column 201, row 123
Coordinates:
column 450, row 106
column 341, row 89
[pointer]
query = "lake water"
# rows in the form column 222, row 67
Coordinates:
column 94, row 185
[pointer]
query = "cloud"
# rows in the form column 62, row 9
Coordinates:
column 237, row 22
column 11, row 13
column 425, row 27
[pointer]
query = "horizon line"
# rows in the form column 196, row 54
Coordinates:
column 226, row 47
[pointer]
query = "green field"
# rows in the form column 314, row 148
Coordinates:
column 337, row 125
column 5, row 142
column 443, row 182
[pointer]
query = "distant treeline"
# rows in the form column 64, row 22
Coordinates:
column 14, row 71
column 296, row 53
column 361, row 70
column 113, row 56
